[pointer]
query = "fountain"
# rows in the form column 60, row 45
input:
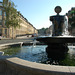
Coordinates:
column 57, row 43
column 56, row 49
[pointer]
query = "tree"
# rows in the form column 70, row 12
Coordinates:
column 12, row 17
column 72, row 19
column 42, row 31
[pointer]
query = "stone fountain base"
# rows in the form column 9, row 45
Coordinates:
column 57, row 45
column 57, row 51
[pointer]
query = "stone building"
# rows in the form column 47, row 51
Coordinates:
column 25, row 26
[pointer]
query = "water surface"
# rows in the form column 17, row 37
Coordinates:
column 39, row 55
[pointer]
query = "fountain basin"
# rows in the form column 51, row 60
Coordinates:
column 17, row 66
column 57, row 39
column 21, row 67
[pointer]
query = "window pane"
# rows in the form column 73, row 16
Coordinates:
column 4, row 13
column 5, row 31
column 0, row 30
column 1, row 4
column 0, row 22
column 0, row 12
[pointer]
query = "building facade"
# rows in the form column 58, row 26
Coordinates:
column 25, row 26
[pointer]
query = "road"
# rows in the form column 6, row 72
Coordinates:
column 4, row 41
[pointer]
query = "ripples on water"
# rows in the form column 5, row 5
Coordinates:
column 38, row 54
column 35, row 54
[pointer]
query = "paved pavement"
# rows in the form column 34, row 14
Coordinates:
column 5, row 41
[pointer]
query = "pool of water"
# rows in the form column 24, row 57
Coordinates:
column 39, row 55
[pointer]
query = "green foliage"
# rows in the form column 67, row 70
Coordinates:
column 72, row 12
column 42, row 30
column 72, row 19
column 12, row 17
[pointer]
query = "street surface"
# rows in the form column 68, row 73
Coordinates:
column 5, row 41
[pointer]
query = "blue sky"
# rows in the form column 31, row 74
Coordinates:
column 38, row 11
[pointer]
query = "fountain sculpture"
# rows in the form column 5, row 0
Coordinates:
column 58, row 22
column 57, row 43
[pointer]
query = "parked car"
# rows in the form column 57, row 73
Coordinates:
column 34, row 35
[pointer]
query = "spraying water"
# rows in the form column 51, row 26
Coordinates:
column 65, row 27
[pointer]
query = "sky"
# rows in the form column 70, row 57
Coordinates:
column 38, row 12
